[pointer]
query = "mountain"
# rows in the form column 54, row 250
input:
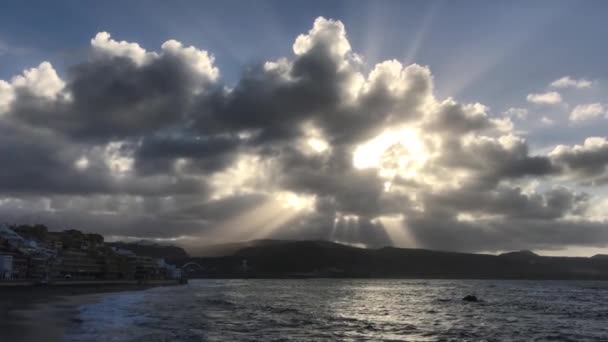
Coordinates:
column 523, row 255
column 327, row 259
column 150, row 249
column 228, row 249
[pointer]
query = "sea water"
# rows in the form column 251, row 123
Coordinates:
column 350, row 310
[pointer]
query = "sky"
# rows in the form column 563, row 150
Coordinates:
column 467, row 126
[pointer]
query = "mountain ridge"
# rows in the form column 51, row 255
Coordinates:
column 319, row 258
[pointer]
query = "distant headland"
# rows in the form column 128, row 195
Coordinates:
column 301, row 259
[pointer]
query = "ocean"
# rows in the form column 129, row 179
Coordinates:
column 350, row 310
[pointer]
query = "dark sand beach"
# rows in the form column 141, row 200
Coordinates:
column 43, row 313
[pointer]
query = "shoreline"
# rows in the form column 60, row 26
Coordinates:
column 44, row 313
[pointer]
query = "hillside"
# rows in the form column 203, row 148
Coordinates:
column 327, row 259
column 153, row 250
column 228, row 249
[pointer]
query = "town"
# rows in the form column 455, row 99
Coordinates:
column 31, row 254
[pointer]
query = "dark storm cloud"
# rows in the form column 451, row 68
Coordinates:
column 514, row 234
column 139, row 143
column 507, row 202
column 36, row 161
column 40, row 162
column 453, row 118
column 114, row 99
column 494, row 160
column 275, row 104
column 132, row 220
column 201, row 155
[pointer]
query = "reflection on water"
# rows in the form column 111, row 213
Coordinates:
column 349, row 310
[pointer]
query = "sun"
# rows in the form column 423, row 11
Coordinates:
column 393, row 153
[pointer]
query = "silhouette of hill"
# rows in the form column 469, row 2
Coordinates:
column 228, row 249
column 276, row 258
column 524, row 255
column 150, row 249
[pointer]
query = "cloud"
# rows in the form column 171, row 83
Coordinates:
column 547, row 121
column 329, row 34
column 7, row 95
column 568, row 82
column 122, row 91
column 106, row 47
column 135, row 142
column 41, row 81
column 586, row 162
column 519, row 113
column 588, row 111
column 549, row 98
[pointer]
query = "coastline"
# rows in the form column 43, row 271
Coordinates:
column 43, row 313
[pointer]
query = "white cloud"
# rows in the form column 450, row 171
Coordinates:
column 551, row 97
column 82, row 163
column 41, row 81
column 503, row 124
column 7, row 95
column 395, row 77
column 117, row 158
column 587, row 111
column 104, row 44
column 546, row 121
column 568, row 82
column 520, row 113
column 590, row 144
column 330, row 32
column 200, row 60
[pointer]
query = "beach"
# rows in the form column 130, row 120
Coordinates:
column 43, row 313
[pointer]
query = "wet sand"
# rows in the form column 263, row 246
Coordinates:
column 34, row 314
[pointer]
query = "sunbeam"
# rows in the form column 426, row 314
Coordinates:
column 414, row 48
column 397, row 231
column 345, row 228
column 262, row 220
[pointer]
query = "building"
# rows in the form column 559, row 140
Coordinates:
column 6, row 267
column 146, row 268
column 80, row 264
column 19, row 260
column 118, row 266
column 32, row 252
column 19, row 249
